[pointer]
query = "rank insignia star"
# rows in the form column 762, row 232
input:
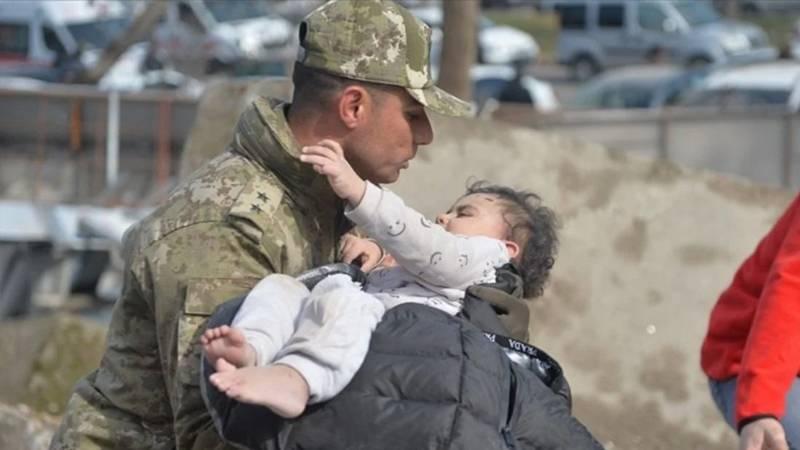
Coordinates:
column 255, row 208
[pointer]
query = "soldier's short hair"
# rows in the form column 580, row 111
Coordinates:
column 313, row 86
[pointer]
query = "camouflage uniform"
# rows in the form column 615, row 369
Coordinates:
column 254, row 210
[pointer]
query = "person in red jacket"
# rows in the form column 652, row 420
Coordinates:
column 751, row 352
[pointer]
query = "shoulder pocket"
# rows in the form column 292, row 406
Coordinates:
column 202, row 298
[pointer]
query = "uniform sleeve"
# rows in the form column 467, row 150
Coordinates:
column 197, row 268
column 771, row 359
column 424, row 248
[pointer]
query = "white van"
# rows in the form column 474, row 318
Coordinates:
column 204, row 36
column 39, row 38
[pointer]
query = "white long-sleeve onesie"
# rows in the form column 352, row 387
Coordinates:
column 324, row 334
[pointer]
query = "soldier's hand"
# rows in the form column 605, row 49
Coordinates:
column 327, row 158
column 366, row 252
column 763, row 434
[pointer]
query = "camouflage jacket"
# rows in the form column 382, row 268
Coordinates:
column 253, row 210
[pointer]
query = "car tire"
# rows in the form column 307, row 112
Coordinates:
column 583, row 67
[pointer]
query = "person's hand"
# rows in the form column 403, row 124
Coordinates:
column 327, row 158
column 763, row 434
column 365, row 251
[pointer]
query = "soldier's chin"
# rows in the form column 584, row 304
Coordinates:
column 387, row 177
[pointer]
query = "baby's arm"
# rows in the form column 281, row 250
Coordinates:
column 367, row 253
column 424, row 248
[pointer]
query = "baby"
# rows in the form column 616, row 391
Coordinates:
column 288, row 346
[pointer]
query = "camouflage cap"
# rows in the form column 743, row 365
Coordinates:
column 377, row 41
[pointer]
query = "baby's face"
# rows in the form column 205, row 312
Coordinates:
column 476, row 215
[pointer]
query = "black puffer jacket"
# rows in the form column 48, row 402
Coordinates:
column 430, row 381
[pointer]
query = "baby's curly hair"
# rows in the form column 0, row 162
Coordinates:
column 531, row 226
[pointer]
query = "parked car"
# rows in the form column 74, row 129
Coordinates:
column 488, row 82
column 598, row 34
column 775, row 84
column 497, row 44
column 762, row 6
column 206, row 36
column 52, row 41
column 648, row 86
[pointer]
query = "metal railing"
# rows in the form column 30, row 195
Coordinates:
column 96, row 139
column 762, row 145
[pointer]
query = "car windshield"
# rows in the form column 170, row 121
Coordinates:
column 696, row 12
column 618, row 94
column 98, row 34
column 484, row 23
column 231, row 10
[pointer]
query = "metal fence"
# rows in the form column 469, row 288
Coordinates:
column 73, row 143
column 762, row 145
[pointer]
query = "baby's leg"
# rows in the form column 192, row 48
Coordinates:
column 328, row 347
column 229, row 344
column 278, row 387
column 332, row 339
column 263, row 324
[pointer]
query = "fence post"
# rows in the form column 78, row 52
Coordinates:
column 112, row 140
column 164, row 132
column 663, row 139
column 41, row 124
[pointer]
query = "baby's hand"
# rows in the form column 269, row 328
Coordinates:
column 327, row 158
column 365, row 251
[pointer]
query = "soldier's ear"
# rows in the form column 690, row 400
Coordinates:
column 353, row 104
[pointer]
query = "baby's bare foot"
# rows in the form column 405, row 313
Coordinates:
column 278, row 387
column 227, row 343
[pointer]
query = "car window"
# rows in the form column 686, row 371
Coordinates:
column 98, row 34
column 572, row 17
column 696, row 12
column 52, row 42
column 651, row 17
column 487, row 88
column 628, row 96
column 228, row 11
column 14, row 39
column 611, row 16
column 186, row 15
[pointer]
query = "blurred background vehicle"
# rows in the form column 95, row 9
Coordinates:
column 52, row 41
column 597, row 34
column 794, row 43
column 489, row 82
column 761, row 6
column 649, row 86
column 760, row 85
column 497, row 44
column 200, row 37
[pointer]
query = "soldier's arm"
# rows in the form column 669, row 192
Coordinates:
column 198, row 268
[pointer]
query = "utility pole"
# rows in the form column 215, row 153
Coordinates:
column 459, row 46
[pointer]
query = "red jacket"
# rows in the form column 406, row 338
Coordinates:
column 754, row 329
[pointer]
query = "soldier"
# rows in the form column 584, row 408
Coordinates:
column 362, row 79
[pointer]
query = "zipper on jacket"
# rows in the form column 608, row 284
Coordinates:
column 512, row 398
